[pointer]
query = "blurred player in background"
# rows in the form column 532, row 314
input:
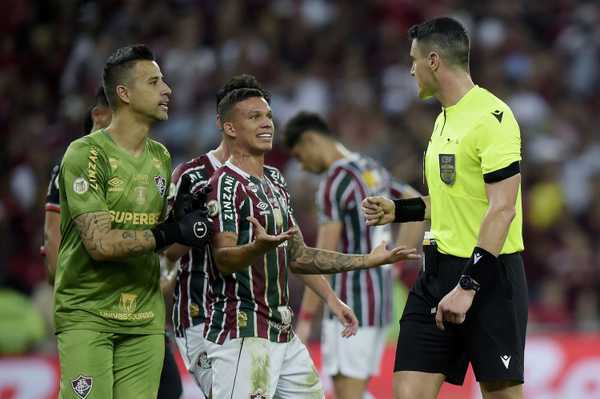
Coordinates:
column 193, row 292
column 249, row 336
column 348, row 179
column 97, row 118
column 109, row 311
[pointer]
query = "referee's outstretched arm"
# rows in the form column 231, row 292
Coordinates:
column 380, row 210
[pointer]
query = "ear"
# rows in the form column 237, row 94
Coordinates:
column 229, row 130
column 123, row 93
column 433, row 60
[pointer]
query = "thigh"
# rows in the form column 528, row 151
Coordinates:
column 170, row 381
column 417, row 385
column 85, row 364
column 356, row 357
column 497, row 329
column 137, row 365
column 244, row 367
column 298, row 377
column 193, row 350
column 422, row 347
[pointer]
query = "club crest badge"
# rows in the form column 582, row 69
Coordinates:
column 82, row 386
column 81, row 185
column 448, row 168
column 213, row 208
column 203, row 361
column 161, row 185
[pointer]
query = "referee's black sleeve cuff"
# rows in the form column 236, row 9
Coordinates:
column 504, row 173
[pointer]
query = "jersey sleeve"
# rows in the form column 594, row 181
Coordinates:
column 53, row 196
column 83, row 174
column 335, row 195
column 498, row 146
column 225, row 203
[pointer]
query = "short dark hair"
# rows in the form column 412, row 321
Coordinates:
column 234, row 97
column 301, row 123
column 445, row 34
column 118, row 64
column 100, row 101
column 243, row 81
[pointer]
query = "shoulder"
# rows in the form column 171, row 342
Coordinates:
column 158, row 149
column 494, row 112
column 275, row 175
column 199, row 167
column 84, row 148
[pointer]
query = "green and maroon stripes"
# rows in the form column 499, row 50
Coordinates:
column 249, row 303
column 191, row 289
column 339, row 197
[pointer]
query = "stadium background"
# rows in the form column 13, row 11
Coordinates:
column 349, row 61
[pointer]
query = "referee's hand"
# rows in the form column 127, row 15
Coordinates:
column 454, row 306
column 378, row 210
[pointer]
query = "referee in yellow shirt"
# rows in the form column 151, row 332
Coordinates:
column 469, row 303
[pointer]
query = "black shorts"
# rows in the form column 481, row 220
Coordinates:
column 492, row 338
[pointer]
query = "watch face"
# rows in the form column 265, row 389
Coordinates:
column 466, row 283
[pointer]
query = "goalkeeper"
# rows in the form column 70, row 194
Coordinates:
column 109, row 311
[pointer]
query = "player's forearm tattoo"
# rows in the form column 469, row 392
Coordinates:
column 104, row 243
column 307, row 260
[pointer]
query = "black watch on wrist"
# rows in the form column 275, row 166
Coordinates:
column 468, row 283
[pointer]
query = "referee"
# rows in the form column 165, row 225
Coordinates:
column 469, row 303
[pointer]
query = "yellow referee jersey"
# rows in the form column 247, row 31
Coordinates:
column 474, row 141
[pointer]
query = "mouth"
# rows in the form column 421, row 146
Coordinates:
column 265, row 136
column 164, row 105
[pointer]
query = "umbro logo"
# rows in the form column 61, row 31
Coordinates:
column 505, row 360
column 476, row 258
column 498, row 114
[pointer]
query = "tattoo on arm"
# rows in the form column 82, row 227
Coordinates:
column 104, row 244
column 307, row 260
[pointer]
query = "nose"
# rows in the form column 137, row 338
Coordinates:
column 167, row 90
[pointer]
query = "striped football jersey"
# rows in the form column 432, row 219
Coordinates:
column 255, row 301
column 347, row 182
column 192, row 295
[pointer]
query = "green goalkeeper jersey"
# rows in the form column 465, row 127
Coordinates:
column 120, row 295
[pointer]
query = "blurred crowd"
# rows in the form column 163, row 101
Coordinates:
column 347, row 60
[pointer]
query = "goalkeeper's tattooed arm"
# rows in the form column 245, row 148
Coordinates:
column 104, row 243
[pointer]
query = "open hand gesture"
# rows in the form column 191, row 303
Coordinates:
column 267, row 241
column 380, row 255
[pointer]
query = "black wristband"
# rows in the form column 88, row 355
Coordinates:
column 409, row 210
column 479, row 265
column 165, row 234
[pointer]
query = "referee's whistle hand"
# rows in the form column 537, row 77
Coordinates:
column 378, row 210
column 453, row 307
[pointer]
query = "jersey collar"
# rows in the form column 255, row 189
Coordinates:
column 465, row 102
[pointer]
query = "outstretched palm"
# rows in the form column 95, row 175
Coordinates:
column 266, row 240
column 380, row 255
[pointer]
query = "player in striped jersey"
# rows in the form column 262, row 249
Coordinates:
column 192, row 292
column 251, row 345
column 348, row 179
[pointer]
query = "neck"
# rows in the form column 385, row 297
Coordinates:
column 453, row 87
column 251, row 164
column 129, row 131
column 337, row 152
column 222, row 152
